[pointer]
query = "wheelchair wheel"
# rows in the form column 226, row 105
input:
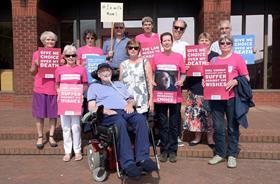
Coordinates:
column 99, row 174
column 93, row 158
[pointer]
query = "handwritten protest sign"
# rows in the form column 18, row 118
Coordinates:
column 148, row 50
column 49, row 59
column 244, row 45
column 196, row 58
column 70, row 99
column 165, row 91
column 215, row 79
column 92, row 62
column 111, row 12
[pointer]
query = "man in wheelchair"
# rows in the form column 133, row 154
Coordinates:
column 119, row 110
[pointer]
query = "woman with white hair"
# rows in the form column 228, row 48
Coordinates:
column 44, row 98
column 71, row 73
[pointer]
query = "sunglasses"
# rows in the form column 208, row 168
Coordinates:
column 179, row 28
column 70, row 55
column 118, row 27
column 135, row 48
column 225, row 43
column 90, row 38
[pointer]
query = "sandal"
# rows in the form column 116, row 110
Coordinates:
column 52, row 144
column 78, row 156
column 41, row 145
column 67, row 157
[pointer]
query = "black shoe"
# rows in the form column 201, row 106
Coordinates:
column 172, row 157
column 54, row 144
column 40, row 146
column 193, row 143
column 148, row 165
column 132, row 171
column 163, row 157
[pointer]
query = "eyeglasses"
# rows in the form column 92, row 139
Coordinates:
column 179, row 28
column 135, row 48
column 225, row 43
column 70, row 55
column 118, row 27
column 90, row 38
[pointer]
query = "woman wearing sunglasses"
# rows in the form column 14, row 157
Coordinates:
column 136, row 74
column 90, row 38
column 71, row 73
column 236, row 67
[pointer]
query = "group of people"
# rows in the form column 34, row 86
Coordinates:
column 130, row 99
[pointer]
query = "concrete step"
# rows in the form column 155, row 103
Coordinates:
column 247, row 150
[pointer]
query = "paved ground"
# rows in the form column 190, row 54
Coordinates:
column 51, row 169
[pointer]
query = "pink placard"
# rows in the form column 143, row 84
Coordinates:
column 48, row 61
column 165, row 96
column 148, row 50
column 196, row 58
column 215, row 79
column 70, row 99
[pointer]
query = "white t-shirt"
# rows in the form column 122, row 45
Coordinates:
column 179, row 46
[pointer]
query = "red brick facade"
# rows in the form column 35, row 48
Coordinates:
column 29, row 22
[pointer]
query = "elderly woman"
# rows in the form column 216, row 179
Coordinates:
column 236, row 67
column 90, row 38
column 136, row 74
column 44, row 98
column 169, row 114
column 71, row 73
column 197, row 116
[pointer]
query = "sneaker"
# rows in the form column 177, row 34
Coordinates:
column 180, row 142
column 215, row 160
column 67, row 157
column 132, row 171
column 231, row 163
column 163, row 157
column 78, row 156
column 148, row 165
column 172, row 157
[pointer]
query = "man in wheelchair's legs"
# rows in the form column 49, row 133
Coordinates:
column 132, row 167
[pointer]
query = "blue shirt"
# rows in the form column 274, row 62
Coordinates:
column 119, row 49
column 108, row 96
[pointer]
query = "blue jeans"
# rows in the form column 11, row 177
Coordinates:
column 168, row 126
column 140, row 127
column 219, row 108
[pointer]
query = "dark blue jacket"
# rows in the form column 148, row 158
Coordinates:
column 243, row 100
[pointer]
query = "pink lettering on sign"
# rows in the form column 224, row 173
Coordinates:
column 70, row 99
column 196, row 58
column 215, row 80
column 49, row 59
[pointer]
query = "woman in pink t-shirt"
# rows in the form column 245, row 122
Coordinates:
column 44, row 99
column 71, row 73
column 168, row 124
column 90, row 38
column 236, row 67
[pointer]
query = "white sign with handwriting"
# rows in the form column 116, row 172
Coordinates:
column 111, row 12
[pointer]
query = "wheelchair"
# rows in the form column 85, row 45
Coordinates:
column 102, row 148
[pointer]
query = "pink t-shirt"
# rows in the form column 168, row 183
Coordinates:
column 71, row 75
column 174, row 60
column 42, row 85
column 82, row 52
column 236, row 67
column 144, row 38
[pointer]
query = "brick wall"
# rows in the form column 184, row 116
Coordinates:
column 24, row 42
column 212, row 11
